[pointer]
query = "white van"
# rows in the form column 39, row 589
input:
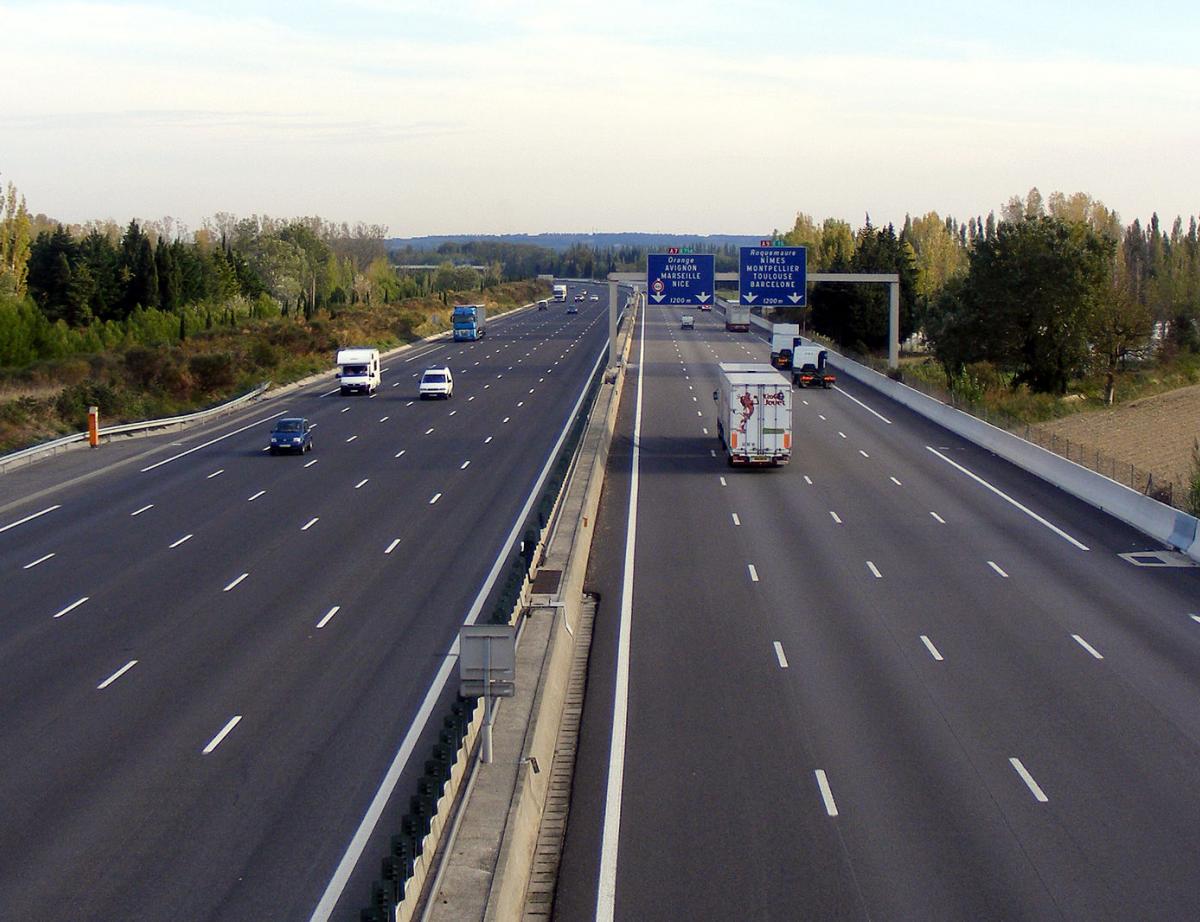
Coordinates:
column 358, row 370
column 436, row 382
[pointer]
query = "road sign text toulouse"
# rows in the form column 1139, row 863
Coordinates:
column 773, row 275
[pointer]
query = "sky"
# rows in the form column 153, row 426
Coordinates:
column 517, row 116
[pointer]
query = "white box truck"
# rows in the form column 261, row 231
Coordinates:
column 754, row 414
column 358, row 370
column 560, row 292
column 782, row 336
column 737, row 318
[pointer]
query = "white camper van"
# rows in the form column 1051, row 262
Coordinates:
column 358, row 370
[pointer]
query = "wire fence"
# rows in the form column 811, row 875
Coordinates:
column 1174, row 489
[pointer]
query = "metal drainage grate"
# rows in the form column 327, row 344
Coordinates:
column 1158, row 559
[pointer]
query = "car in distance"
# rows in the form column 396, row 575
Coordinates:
column 436, row 382
column 292, row 433
column 581, row 296
column 594, row 298
column 572, row 309
column 688, row 322
column 543, row 305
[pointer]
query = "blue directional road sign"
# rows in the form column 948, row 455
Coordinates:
column 683, row 279
column 771, row 276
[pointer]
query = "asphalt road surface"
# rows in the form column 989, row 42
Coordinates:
column 897, row 678
column 209, row 657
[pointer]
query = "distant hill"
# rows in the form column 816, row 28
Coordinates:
column 562, row 242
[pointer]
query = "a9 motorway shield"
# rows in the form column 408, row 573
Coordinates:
column 772, row 276
column 680, row 278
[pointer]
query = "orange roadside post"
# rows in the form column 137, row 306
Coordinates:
column 93, row 426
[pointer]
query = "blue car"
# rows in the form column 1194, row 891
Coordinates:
column 291, row 434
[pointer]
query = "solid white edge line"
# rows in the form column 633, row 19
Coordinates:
column 220, row 438
column 74, row 605
column 863, row 405
column 116, row 675
column 328, row 616
column 29, row 518
column 826, row 793
column 216, row 740
column 1033, row 786
column 783, row 663
column 362, row 834
column 1029, row 512
column 1087, row 646
column 933, row 651
column 606, row 891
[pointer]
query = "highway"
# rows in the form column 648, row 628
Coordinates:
column 897, row 678
column 210, row 657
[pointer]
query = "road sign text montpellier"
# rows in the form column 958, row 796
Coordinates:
column 683, row 279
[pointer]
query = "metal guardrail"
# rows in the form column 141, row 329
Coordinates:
column 37, row 452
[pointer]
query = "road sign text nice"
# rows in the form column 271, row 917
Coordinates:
column 679, row 279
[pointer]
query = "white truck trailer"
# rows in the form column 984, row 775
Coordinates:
column 737, row 318
column 782, row 337
column 754, row 414
column 358, row 370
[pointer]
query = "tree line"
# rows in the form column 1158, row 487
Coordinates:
column 1048, row 291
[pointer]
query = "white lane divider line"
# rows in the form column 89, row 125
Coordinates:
column 826, row 793
column 328, row 616
column 783, row 663
column 1033, row 786
column 452, row 412
column 74, row 605
column 345, row 410
column 400, row 452
column 705, row 428
column 175, row 544
column 384, row 419
column 995, row 566
column 821, row 416
column 116, row 675
column 1087, row 646
column 933, row 651
column 736, row 520
column 699, row 413
column 351, row 439
column 842, row 434
column 938, row 518
column 753, row 572
column 506, row 419
column 464, row 465
column 216, row 473
column 360, row 484
column 863, row 453
column 397, row 384
column 895, row 481
column 216, row 740
column 429, row 430
column 251, row 499
column 312, row 462
column 520, row 403
column 469, row 399
column 861, row 404
column 436, row 497
column 235, row 582
column 836, row 518
column 723, row 483
column 206, row 444
column 30, row 518
column 488, row 439
column 34, row 563
column 310, row 523
column 1004, row 496
column 712, row 451
column 874, row 570
column 808, row 480
column 143, row 509
column 1195, row 618
column 391, row 547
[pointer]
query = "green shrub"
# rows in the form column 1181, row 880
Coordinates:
column 213, row 371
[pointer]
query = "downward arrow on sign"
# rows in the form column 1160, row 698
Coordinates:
column 658, row 298
column 702, row 297
column 795, row 298
column 749, row 298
